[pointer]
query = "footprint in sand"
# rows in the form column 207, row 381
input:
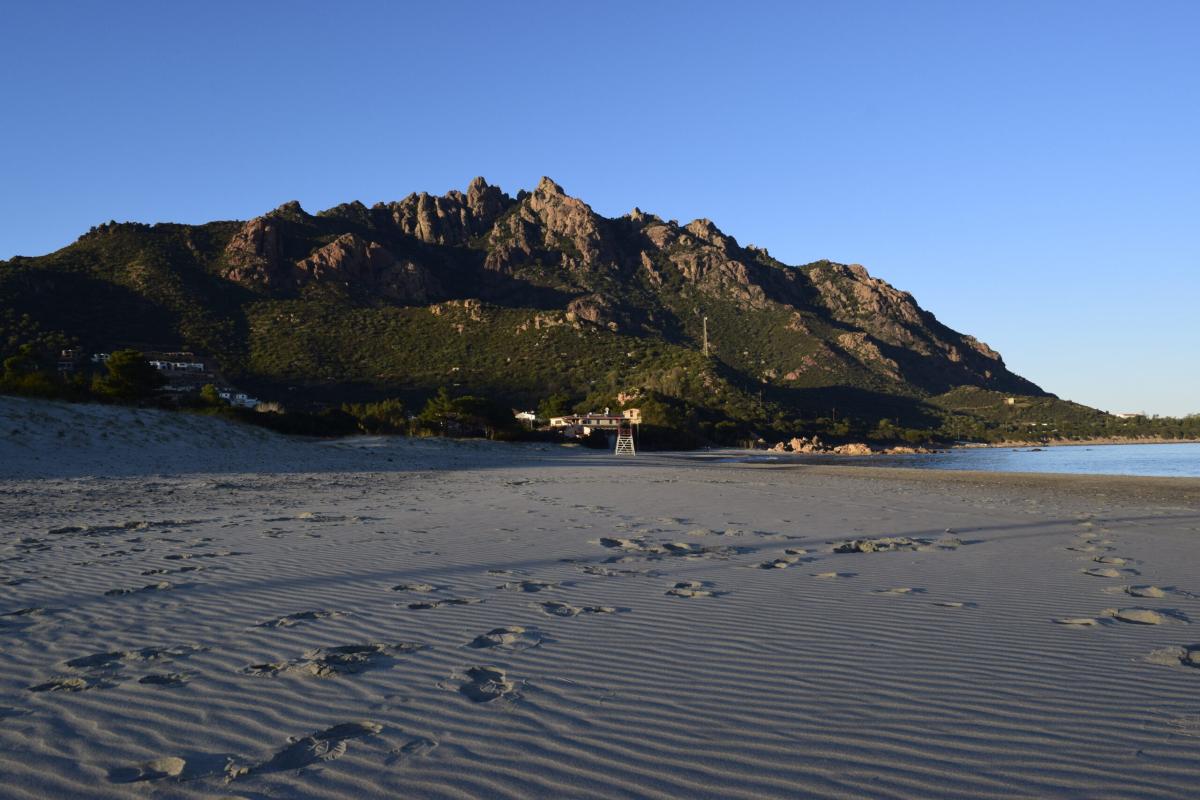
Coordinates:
column 692, row 589
column 1076, row 621
column 72, row 684
column 512, row 638
column 300, row 616
column 414, row 587
column 834, row 575
column 1115, row 561
column 1103, row 572
column 685, row 548
column 161, row 586
column 1176, row 656
column 881, row 545
column 1144, row 591
column 23, row 616
column 451, row 601
column 610, row 572
column 115, row 659
column 779, row 563
column 527, row 586
column 899, row 591
column 179, row 571
column 166, row 679
column 330, row 662
column 413, row 748
column 614, row 543
column 215, row 554
column 99, row 660
column 325, row 745
column 159, row 768
column 1136, row 616
column 485, row 684
column 557, row 609
column 953, row 604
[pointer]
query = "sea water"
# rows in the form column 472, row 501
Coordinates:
column 1167, row 460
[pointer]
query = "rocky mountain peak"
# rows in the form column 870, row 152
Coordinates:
column 290, row 210
column 486, row 202
column 547, row 187
column 550, row 226
column 453, row 219
column 706, row 231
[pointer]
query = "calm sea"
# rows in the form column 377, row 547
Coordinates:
column 1169, row 460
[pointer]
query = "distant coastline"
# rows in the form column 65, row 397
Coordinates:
column 1077, row 442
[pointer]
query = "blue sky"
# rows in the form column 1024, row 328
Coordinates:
column 1029, row 171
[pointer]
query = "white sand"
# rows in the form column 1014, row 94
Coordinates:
column 381, row 618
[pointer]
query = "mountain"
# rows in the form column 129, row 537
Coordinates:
column 516, row 297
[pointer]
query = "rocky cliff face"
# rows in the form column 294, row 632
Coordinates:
column 255, row 257
column 353, row 260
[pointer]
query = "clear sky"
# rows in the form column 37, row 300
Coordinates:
column 1030, row 171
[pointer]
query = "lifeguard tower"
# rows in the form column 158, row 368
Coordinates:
column 625, row 439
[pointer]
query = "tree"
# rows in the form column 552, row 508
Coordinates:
column 439, row 412
column 130, row 377
column 22, row 376
column 210, row 395
column 467, row 415
column 386, row 416
column 556, row 405
column 494, row 418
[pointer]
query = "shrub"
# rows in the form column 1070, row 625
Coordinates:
column 130, row 378
column 386, row 416
column 210, row 396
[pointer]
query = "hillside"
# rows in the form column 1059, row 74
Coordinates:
column 514, row 297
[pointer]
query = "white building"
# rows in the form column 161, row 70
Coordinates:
column 178, row 366
column 584, row 424
column 237, row 398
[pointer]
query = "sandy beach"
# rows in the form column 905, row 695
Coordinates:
column 194, row 609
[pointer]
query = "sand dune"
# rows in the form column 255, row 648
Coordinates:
column 189, row 609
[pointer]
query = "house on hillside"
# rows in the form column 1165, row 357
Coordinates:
column 236, row 398
column 584, row 424
column 68, row 360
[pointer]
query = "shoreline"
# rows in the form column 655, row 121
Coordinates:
column 1141, row 488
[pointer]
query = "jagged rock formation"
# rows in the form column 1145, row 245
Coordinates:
column 450, row 220
column 254, row 254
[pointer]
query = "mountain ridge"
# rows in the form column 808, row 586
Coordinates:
column 343, row 297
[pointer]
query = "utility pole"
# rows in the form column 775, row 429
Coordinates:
column 706, row 337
